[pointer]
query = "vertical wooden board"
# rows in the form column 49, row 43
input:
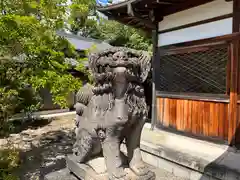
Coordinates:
column 189, row 117
column 162, row 109
column 166, row 112
column 178, row 115
column 169, row 112
column 172, row 112
column 194, row 117
column 185, row 115
column 200, row 116
column 196, row 104
column 206, row 118
column 181, row 114
column 159, row 109
column 216, row 119
column 226, row 121
column 221, row 120
column 211, row 120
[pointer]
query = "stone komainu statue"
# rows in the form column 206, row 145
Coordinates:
column 112, row 110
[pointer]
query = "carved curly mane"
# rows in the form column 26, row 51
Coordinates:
column 138, row 65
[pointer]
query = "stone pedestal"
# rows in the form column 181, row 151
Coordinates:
column 85, row 171
column 96, row 170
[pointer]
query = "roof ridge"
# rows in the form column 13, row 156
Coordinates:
column 71, row 35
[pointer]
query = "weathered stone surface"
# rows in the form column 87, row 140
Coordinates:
column 62, row 174
column 160, row 175
column 112, row 110
column 98, row 165
column 85, row 172
column 189, row 158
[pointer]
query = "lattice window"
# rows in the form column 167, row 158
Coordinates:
column 195, row 72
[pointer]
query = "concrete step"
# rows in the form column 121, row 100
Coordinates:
column 189, row 158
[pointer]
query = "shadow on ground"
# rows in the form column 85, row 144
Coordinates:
column 221, row 171
column 47, row 157
column 17, row 126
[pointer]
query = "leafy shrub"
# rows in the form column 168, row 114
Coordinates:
column 9, row 161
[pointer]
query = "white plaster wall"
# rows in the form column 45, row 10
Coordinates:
column 203, row 12
column 199, row 13
column 213, row 29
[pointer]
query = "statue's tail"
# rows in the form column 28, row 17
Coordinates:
column 83, row 97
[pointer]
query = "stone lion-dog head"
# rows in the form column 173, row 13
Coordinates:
column 120, row 73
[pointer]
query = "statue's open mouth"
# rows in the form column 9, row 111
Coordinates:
column 121, row 64
column 113, row 66
column 106, row 65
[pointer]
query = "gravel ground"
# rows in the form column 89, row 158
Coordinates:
column 43, row 148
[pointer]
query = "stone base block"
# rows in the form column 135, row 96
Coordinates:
column 83, row 171
column 86, row 172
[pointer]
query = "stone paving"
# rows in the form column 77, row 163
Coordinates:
column 164, row 175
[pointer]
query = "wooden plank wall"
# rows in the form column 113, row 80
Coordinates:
column 209, row 119
column 238, row 127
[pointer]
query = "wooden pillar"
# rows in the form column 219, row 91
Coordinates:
column 233, row 93
column 233, row 105
column 154, row 62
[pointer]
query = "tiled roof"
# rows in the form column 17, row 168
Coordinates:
column 82, row 43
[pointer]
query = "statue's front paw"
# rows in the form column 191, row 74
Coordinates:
column 120, row 174
column 143, row 172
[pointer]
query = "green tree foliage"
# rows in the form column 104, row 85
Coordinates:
column 80, row 19
column 31, row 54
column 118, row 34
column 89, row 24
